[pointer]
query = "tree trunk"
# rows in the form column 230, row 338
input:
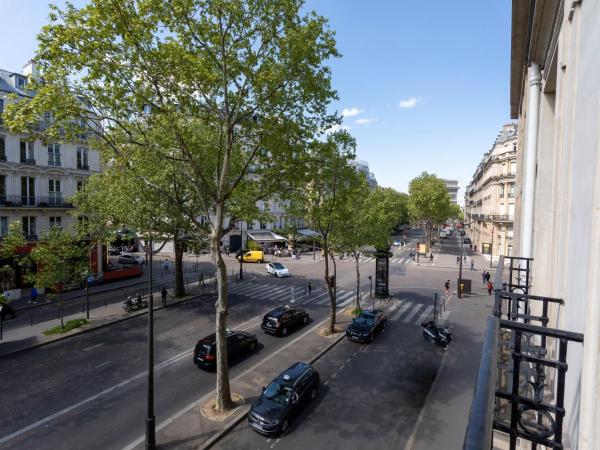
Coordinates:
column 356, row 258
column 330, row 288
column 60, row 309
column 179, row 285
column 223, row 401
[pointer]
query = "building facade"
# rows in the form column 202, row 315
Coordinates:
column 37, row 180
column 490, row 196
column 362, row 166
column 452, row 188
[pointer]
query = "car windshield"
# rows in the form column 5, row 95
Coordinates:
column 364, row 320
column 278, row 266
column 278, row 393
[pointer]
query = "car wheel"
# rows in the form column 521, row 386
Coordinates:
column 284, row 426
column 252, row 346
column 444, row 345
column 284, row 331
column 305, row 321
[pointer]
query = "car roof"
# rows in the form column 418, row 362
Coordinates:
column 212, row 338
column 370, row 312
column 295, row 371
column 281, row 310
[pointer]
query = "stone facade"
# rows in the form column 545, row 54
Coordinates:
column 490, row 196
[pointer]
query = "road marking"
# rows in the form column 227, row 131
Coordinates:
column 194, row 404
column 349, row 359
column 102, row 364
column 355, row 353
column 189, row 329
column 111, row 389
column 394, row 306
column 412, row 313
column 342, row 295
column 326, row 382
column 244, row 307
column 341, row 367
column 401, row 311
column 313, row 299
column 425, row 314
column 93, row 347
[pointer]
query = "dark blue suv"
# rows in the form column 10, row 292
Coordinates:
column 283, row 399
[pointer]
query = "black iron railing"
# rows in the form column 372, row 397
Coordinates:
column 29, row 201
column 520, row 386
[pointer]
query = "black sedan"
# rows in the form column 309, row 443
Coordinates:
column 366, row 325
column 239, row 344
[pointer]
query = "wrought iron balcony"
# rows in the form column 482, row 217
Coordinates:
column 30, row 201
column 494, row 217
column 520, row 389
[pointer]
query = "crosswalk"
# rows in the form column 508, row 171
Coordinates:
column 397, row 310
column 393, row 260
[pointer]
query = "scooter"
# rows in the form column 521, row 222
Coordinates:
column 134, row 303
column 440, row 335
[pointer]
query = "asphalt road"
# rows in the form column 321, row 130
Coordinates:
column 89, row 391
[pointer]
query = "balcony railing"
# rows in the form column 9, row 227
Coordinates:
column 494, row 217
column 28, row 161
column 520, row 388
column 30, row 201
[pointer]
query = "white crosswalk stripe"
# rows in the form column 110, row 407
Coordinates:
column 393, row 307
column 401, row 311
column 314, row 297
column 412, row 314
column 425, row 314
column 341, row 295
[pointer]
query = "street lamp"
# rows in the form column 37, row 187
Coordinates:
column 241, row 250
column 150, row 419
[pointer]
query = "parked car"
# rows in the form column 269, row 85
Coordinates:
column 112, row 250
column 278, row 269
column 366, row 325
column 443, row 235
column 397, row 243
column 283, row 399
column 282, row 319
column 253, row 256
column 6, row 311
column 467, row 240
column 239, row 343
column 129, row 259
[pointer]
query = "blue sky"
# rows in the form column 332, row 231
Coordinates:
column 425, row 84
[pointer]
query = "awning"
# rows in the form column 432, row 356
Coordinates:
column 265, row 236
column 308, row 233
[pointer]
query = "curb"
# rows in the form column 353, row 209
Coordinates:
column 215, row 438
column 87, row 330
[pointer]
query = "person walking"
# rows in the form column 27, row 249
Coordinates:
column 163, row 296
column 309, row 288
column 457, row 260
column 490, row 287
column 483, row 277
column 431, row 257
column 488, row 276
column 475, row 247
column 472, row 265
column 470, row 247
column 33, row 295
column 166, row 265
column 446, row 287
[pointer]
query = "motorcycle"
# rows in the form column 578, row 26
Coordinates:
column 440, row 335
column 135, row 303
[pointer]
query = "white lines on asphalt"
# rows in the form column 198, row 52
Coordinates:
column 195, row 403
column 87, row 349
column 393, row 307
column 102, row 364
column 326, row 382
column 313, row 299
column 355, row 353
column 334, row 374
column 363, row 349
column 411, row 314
column 341, row 367
column 189, row 329
column 349, row 359
column 401, row 310
column 245, row 306
column 425, row 314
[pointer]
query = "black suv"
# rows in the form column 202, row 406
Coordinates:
column 283, row 399
column 366, row 325
column 282, row 319
column 239, row 343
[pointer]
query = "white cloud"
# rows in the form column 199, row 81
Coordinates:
column 365, row 120
column 349, row 112
column 409, row 102
column 336, row 127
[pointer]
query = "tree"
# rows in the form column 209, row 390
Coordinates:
column 429, row 202
column 61, row 260
column 332, row 185
column 8, row 252
column 230, row 91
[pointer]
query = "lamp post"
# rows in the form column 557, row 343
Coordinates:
column 150, row 419
column 459, row 289
column 241, row 251
column 371, row 291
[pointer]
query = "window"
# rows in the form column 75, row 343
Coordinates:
column 513, row 167
column 80, row 184
column 48, row 117
column 54, row 193
column 82, row 158
column 20, row 82
column 27, row 155
column 28, row 191
column 3, row 226
column 2, row 147
column 511, row 190
column 56, row 222
column 29, row 229
column 54, row 154
column 501, row 190
column 1, row 108
column 2, row 189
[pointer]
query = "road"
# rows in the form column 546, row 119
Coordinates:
column 89, row 391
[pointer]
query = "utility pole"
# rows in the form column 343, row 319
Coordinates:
column 459, row 289
column 150, row 419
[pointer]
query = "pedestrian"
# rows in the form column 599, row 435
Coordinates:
column 457, row 260
column 483, row 277
column 465, row 258
column 475, row 247
column 472, row 265
column 431, row 257
column 309, row 288
column 34, row 295
column 446, row 287
column 490, row 287
column 432, row 242
column 163, row 296
column 487, row 277
column 166, row 266
column 470, row 247
column 227, row 250
column 201, row 281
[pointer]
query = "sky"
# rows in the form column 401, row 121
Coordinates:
column 423, row 86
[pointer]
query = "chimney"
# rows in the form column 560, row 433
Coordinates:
column 31, row 69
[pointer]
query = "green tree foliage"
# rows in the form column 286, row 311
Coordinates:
column 227, row 92
column 429, row 202
column 62, row 260
column 8, row 252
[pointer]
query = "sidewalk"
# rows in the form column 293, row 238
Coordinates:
column 443, row 420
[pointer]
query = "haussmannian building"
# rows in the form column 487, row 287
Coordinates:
column 490, row 196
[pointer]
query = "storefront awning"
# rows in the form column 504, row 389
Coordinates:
column 265, row 236
column 308, row 233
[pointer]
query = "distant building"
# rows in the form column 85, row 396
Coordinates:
column 490, row 196
column 452, row 188
column 362, row 166
column 37, row 180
